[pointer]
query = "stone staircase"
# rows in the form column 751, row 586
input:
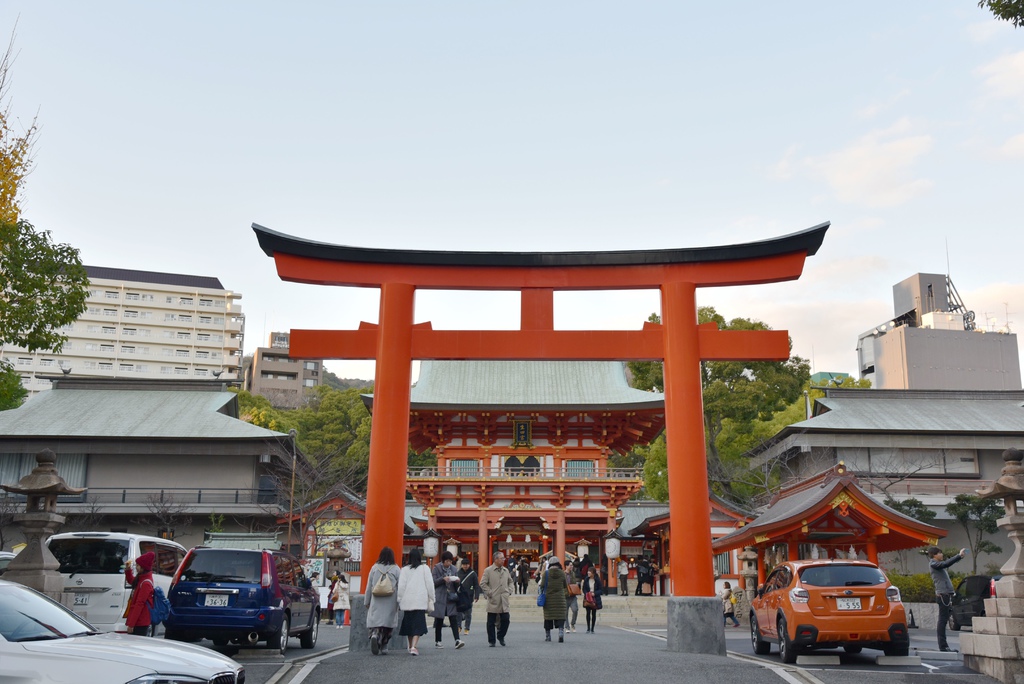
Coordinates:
column 619, row 611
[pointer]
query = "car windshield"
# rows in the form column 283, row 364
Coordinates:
column 841, row 576
column 85, row 555
column 26, row 615
column 222, row 565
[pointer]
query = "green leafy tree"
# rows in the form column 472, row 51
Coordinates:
column 1007, row 10
column 978, row 518
column 12, row 392
column 740, row 398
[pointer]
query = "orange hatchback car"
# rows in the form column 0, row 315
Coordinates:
column 828, row 604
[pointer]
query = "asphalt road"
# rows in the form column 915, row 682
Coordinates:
column 632, row 655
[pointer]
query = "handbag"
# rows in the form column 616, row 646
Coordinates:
column 542, row 595
column 588, row 600
column 575, row 590
column 383, row 587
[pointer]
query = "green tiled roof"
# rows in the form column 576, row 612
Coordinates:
column 539, row 384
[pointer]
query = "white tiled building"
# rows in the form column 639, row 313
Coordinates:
column 143, row 324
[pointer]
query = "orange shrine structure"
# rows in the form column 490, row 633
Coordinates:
column 397, row 339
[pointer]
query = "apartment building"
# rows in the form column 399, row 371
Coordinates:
column 144, row 324
column 280, row 378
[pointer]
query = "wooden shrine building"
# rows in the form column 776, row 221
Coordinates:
column 827, row 516
column 522, row 453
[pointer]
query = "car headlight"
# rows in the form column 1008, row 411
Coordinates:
column 168, row 679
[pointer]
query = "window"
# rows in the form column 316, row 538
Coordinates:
column 465, row 467
column 127, row 350
column 92, row 328
column 107, row 348
column 109, row 330
column 131, row 296
column 185, row 317
column 146, row 314
column 112, row 295
column 22, row 361
column 147, row 297
column 185, row 301
column 131, row 314
column 309, row 382
column 168, row 333
column 202, row 354
column 126, row 367
column 310, row 365
column 203, row 337
column 94, row 310
column 200, row 371
column 170, row 317
column 106, row 365
column 722, row 563
column 184, row 336
column 46, row 362
column 579, row 468
column 206, row 319
column 90, row 365
column 206, row 302
column 110, row 313
column 166, row 370
column 169, row 300
column 181, row 371
column 129, row 332
column 181, row 352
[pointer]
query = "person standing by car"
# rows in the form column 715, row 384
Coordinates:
column 469, row 586
column 943, row 590
column 339, row 595
column 415, row 598
column 497, row 586
column 140, row 575
column 382, row 609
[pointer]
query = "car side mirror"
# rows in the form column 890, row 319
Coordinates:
column 760, row 591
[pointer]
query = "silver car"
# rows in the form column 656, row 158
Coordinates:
column 41, row 640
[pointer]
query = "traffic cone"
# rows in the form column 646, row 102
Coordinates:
column 347, row 623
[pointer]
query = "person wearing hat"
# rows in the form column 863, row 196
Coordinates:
column 556, row 588
column 140, row 575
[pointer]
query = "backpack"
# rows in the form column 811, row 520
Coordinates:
column 161, row 607
column 465, row 601
column 383, row 587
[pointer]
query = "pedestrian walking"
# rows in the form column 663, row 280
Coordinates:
column 340, row 598
column 415, row 598
column 592, row 590
column 469, row 588
column 524, row 576
column 446, row 599
column 623, row 577
column 729, row 605
column 140, row 576
column 943, row 590
column 572, row 603
column 381, row 601
column 496, row 585
column 556, row 589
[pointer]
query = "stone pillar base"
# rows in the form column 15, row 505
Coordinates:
column 695, row 625
column 358, row 635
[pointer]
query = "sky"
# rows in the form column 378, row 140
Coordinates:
column 167, row 129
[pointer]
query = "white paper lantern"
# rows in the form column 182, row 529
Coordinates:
column 582, row 548
column 453, row 549
column 430, row 546
column 612, row 547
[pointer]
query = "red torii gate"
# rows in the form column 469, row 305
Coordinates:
column 395, row 341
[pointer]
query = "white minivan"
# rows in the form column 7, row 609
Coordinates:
column 92, row 564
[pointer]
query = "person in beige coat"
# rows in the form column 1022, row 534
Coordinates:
column 340, row 598
column 497, row 586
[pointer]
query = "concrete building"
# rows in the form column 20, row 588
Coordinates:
column 280, row 378
column 933, row 343
column 143, row 324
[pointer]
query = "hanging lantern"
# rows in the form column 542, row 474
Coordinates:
column 431, row 544
column 508, row 539
column 814, row 552
column 452, row 547
column 527, row 539
column 582, row 548
column 612, row 547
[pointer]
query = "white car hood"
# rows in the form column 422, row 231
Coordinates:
column 134, row 653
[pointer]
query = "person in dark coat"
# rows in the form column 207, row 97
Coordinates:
column 469, row 584
column 523, row 576
column 140, row 575
column 592, row 587
column 556, row 589
column 446, row 603
column 943, row 589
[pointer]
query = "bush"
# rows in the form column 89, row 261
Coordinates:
column 917, row 588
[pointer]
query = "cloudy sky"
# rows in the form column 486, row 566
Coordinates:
column 167, row 129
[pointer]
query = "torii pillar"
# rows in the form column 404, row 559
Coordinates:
column 695, row 615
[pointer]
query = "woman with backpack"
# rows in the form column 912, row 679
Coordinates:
column 382, row 601
column 140, row 575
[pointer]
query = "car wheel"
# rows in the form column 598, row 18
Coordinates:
column 853, row 649
column 279, row 642
column 308, row 638
column 953, row 624
column 787, row 651
column 761, row 647
column 903, row 650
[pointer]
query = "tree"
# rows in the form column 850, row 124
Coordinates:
column 15, row 147
column 912, row 508
column 978, row 517
column 740, row 398
column 12, row 392
column 1007, row 10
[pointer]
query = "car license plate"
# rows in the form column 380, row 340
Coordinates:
column 81, row 599
column 848, row 603
column 216, row 600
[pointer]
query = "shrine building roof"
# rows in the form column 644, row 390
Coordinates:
column 534, row 384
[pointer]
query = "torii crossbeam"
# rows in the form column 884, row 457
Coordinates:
column 395, row 341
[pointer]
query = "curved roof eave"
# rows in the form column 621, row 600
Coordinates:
column 414, row 406
column 807, row 241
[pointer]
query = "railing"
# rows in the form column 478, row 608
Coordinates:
column 923, row 486
column 502, row 473
column 168, row 496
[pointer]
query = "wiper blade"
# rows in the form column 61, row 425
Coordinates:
column 40, row 637
column 86, row 633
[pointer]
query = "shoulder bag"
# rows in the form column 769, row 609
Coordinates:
column 542, row 596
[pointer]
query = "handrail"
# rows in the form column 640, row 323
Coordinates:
column 542, row 473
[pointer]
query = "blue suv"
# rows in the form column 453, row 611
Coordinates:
column 242, row 596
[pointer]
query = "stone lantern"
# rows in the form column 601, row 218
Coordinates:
column 994, row 645
column 336, row 555
column 748, row 578
column 35, row 566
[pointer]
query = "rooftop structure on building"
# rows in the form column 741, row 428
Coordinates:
column 932, row 342
column 278, row 377
column 144, row 324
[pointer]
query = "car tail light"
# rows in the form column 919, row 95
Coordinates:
column 893, row 594
column 799, row 595
column 184, row 563
column 266, row 579
column 992, row 588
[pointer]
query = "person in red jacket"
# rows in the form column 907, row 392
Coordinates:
column 140, row 575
